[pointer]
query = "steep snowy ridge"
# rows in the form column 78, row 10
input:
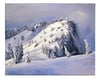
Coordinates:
column 50, row 34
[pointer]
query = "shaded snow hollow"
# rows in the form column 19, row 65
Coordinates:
column 74, row 65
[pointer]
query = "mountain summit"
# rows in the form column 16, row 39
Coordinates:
column 59, row 38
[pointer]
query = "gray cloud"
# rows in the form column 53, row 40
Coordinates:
column 24, row 12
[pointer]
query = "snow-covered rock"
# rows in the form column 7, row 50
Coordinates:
column 64, row 31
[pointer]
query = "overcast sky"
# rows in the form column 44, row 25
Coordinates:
column 26, row 14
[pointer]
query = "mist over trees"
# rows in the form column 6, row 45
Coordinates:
column 12, row 32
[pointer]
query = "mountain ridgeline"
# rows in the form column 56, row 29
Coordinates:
column 56, row 39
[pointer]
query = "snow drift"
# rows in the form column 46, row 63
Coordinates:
column 75, row 65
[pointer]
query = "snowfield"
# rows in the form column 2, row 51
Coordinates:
column 74, row 65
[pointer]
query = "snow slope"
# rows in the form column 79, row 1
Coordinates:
column 28, row 35
column 75, row 65
column 53, row 31
column 47, row 35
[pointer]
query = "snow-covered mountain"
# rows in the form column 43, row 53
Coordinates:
column 57, row 39
column 57, row 34
column 24, row 36
column 40, row 48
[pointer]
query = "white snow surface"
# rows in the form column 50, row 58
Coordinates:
column 74, row 65
column 48, row 35
column 28, row 35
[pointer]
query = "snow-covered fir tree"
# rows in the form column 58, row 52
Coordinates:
column 18, row 52
column 9, row 52
column 27, row 59
column 66, row 52
column 87, row 47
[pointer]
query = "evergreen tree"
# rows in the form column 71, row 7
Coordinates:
column 9, row 52
column 18, row 52
column 27, row 59
column 22, row 37
column 87, row 47
column 66, row 52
